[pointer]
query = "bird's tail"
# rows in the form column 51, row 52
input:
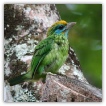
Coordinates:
column 20, row 79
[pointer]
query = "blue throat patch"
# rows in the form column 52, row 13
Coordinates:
column 58, row 32
column 66, row 33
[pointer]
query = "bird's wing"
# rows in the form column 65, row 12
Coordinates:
column 41, row 50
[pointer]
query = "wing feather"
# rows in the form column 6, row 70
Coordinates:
column 41, row 50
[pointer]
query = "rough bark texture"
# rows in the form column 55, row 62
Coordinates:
column 24, row 26
column 65, row 89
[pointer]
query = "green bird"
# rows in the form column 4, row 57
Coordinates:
column 49, row 55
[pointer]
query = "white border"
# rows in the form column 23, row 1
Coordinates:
column 2, row 2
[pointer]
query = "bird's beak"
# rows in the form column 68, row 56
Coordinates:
column 70, row 25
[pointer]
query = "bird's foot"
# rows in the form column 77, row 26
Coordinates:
column 49, row 73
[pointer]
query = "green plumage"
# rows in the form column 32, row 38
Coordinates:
column 49, row 55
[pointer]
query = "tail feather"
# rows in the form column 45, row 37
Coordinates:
column 20, row 79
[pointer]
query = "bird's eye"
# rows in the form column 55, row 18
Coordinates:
column 61, row 27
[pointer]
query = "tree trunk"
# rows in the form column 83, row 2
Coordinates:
column 24, row 26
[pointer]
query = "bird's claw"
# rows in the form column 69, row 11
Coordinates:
column 49, row 73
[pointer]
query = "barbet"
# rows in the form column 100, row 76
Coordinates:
column 49, row 55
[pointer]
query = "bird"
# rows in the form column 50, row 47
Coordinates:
column 49, row 55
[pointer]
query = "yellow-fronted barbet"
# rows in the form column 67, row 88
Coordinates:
column 49, row 55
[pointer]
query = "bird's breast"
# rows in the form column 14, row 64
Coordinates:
column 61, row 44
column 57, row 56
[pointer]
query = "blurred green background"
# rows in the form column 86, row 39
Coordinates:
column 86, row 37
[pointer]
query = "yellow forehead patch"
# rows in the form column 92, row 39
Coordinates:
column 61, row 22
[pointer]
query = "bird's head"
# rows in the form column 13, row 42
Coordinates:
column 60, row 27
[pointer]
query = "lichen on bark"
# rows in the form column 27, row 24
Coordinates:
column 24, row 26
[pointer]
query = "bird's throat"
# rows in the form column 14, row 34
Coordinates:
column 66, row 33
